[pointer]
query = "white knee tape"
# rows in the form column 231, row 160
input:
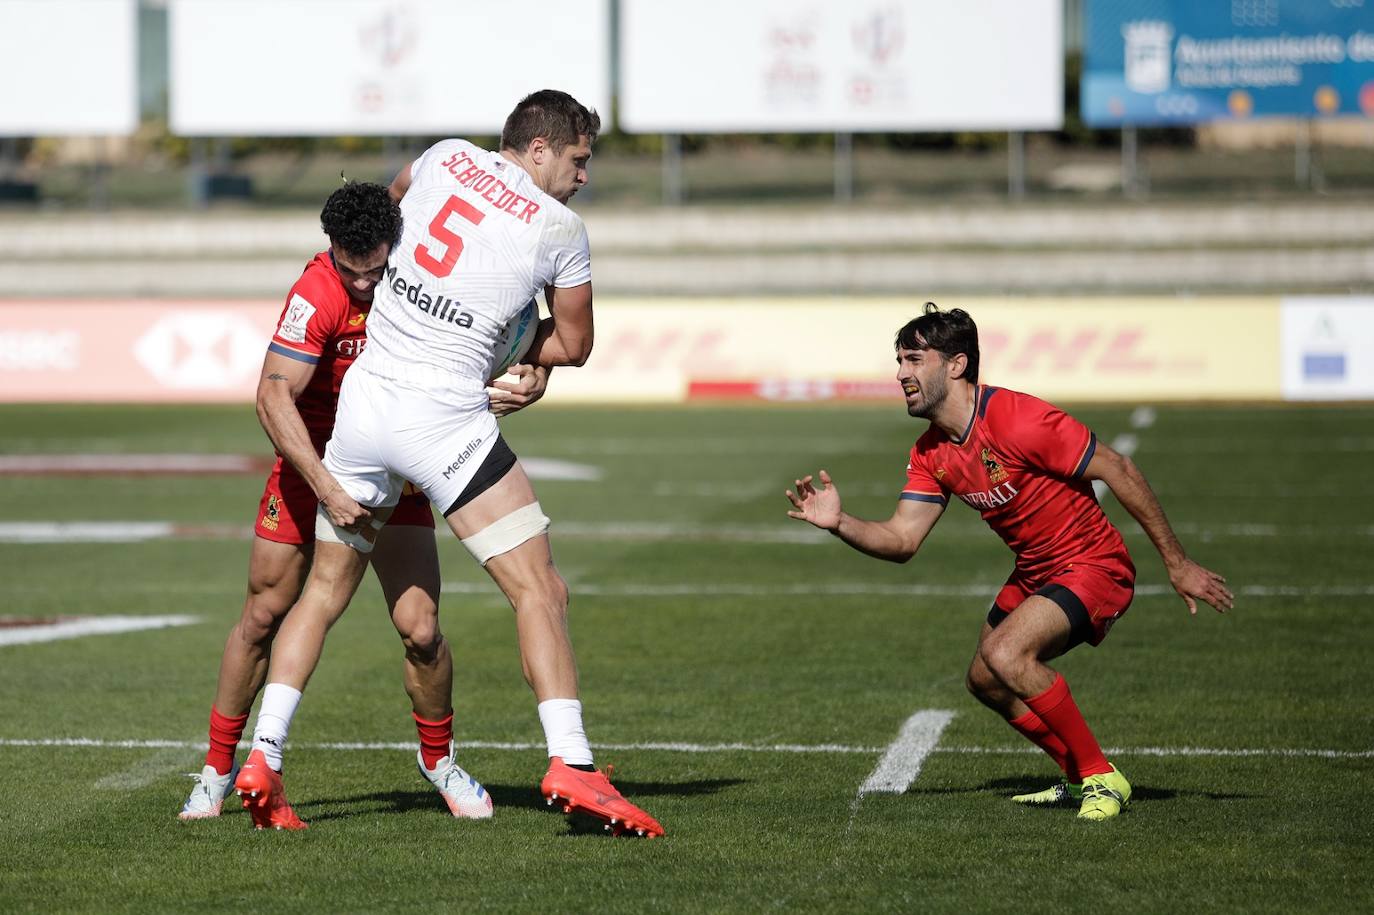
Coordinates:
column 508, row 533
column 329, row 532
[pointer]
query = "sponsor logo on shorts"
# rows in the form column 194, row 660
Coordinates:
column 298, row 315
column 272, row 517
column 462, row 458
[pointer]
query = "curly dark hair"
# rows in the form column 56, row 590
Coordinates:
column 359, row 217
column 948, row 333
column 556, row 116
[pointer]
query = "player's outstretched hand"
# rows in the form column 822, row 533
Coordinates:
column 343, row 510
column 820, row 507
column 1194, row 583
column 511, row 396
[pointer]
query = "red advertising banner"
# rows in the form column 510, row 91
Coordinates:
column 144, row 352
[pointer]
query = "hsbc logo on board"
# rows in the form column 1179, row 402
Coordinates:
column 201, row 350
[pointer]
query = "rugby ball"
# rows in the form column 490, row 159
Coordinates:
column 515, row 338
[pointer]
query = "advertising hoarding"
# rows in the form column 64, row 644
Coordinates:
column 68, row 67
column 378, row 67
column 672, row 350
column 1088, row 349
column 1184, row 62
column 1328, row 348
column 779, row 65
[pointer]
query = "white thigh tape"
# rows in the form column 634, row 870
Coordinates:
column 326, row 530
column 508, row 533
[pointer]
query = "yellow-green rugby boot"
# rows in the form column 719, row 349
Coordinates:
column 1104, row 796
column 1064, row 792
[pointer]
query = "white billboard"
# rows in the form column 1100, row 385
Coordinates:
column 1328, row 348
column 68, row 67
column 785, row 65
column 378, row 67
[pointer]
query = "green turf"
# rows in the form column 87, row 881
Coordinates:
column 1274, row 497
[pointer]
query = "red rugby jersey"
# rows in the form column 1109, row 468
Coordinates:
column 325, row 326
column 1020, row 463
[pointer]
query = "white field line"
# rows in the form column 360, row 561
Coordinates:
column 91, row 743
column 145, row 771
column 844, row 589
column 96, row 625
column 46, row 532
column 1127, row 442
column 118, row 464
column 901, row 763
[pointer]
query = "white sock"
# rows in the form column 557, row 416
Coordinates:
column 279, row 703
column 562, row 721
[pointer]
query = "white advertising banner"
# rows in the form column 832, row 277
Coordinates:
column 1328, row 348
column 68, row 67
column 378, row 67
column 783, row 65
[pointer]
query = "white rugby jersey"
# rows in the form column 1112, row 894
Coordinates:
column 480, row 240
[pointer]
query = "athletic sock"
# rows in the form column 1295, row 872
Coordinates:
column 562, row 721
column 279, row 703
column 436, row 739
column 224, row 739
column 1060, row 713
column 1037, row 732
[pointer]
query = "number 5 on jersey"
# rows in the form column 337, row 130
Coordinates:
column 452, row 241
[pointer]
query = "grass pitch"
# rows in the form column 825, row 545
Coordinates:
column 703, row 618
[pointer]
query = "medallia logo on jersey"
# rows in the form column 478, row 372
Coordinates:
column 441, row 307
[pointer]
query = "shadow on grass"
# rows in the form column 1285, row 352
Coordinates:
column 502, row 796
column 1025, row 783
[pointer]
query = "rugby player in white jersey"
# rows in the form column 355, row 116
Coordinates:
column 483, row 233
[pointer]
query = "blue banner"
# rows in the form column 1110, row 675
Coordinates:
column 1190, row 61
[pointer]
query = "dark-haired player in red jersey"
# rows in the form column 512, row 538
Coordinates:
column 1028, row 468
column 322, row 330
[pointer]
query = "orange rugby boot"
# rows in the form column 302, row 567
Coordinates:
column 593, row 794
column 263, row 795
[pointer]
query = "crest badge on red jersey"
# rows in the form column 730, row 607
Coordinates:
column 995, row 472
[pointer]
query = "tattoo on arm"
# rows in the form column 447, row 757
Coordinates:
column 277, row 376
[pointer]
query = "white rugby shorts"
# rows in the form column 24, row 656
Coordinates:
column 386, row 433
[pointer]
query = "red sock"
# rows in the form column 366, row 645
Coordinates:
column 1038, row 733
column 435, row 737
column 1060, row 713
column 224, row 739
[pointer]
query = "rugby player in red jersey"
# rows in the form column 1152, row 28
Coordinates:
column 323, row 328
column 1028, row 468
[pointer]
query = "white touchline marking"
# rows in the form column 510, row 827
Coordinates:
column 121, row 464
column 902, row 762
column 552, row 469
column 199, row 464
column 859, row 589
column 92, row 743
column 47, row 532
column 84, row 531
column 94, row 625
column 146, row 771
column 1126, row 443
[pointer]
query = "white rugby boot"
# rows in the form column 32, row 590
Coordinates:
column 207, row 797
column 464, row 795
